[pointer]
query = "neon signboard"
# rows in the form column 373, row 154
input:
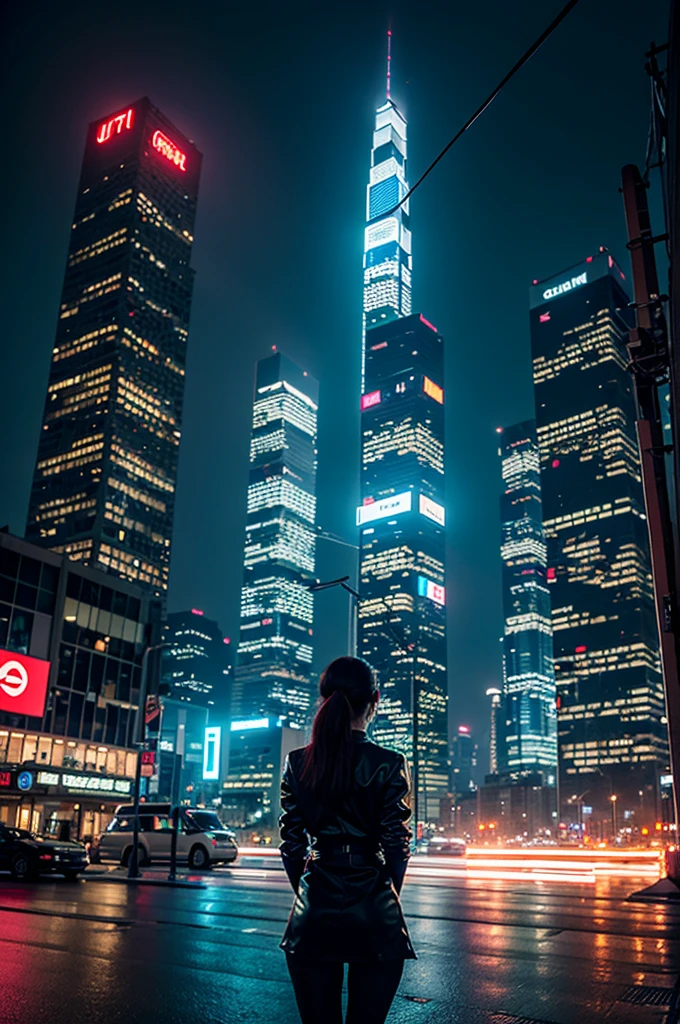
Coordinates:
column 23, row 684
column 115, row 125
column 435, row 592
column 250, row 723
column 566, row 286
column 370, row 399
column 392, row 506
column 432, row 510
column 433, row 390
column 211, row 752
column 163, row 145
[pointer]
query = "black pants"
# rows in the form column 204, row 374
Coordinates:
column 371, row 987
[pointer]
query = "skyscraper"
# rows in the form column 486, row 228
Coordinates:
column 463, row 760
column 529, row 742
column 197, row 662
column 387, row 239
column 402, row 614
column 104, row 483
column 611, row 725
column 272, row 677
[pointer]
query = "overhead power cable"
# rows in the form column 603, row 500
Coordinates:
column 567, row 9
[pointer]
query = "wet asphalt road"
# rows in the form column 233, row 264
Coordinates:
column 102, row 952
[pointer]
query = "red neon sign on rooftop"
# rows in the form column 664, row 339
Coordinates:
column 115, row 125
column 169, row 150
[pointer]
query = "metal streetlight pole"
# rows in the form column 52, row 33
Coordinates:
column 133, row 863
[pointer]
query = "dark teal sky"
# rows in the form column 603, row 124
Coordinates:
column 280, row 100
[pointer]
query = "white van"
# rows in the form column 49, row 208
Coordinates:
column 202, row 839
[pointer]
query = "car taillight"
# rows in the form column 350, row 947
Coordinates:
column 45, row 856
column 213, row 842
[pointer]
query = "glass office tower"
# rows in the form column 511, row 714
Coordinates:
column 197, row 662
column 274, row 660
column 529, row 742
column 611, row 724
column 387, row 238
column 104, row 484
column 402, row 614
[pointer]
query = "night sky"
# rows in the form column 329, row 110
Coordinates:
column 280, row 99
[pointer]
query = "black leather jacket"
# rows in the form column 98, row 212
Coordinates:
column 346, row 863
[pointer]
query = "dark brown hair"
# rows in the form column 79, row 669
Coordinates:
column 347, row 687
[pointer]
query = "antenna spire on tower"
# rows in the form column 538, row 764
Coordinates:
column 389, row 61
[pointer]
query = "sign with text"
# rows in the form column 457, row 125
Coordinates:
column 23, row 684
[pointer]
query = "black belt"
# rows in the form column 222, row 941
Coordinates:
column 347, row 854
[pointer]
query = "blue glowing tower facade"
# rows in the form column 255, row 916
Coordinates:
column 387, row 238
column 402, row 613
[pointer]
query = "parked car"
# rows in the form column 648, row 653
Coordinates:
column 28, row 855
column 446, row 846
column 202, row 839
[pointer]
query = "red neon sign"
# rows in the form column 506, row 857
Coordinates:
column 372, row 398
column 169, row 150
column 5, row 779
column 23, row 684
column 115, row 125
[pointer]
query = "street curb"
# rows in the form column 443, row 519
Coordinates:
column 674, row 1009
column 160, row 882
column 663, row 891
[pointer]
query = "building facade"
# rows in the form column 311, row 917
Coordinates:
column 387, row 238
column 251, row 794
column 611, row 713
column 530, row 729
column 71, row 645
column 463, row 761
column 197, row 663
column 274, row 660
column 402, row 613
column 104, row 483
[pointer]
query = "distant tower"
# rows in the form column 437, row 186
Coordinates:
column 387, row 239
column 274, row 660
column 496, row 731
column 611, row 713
column 530, row 737
column 104, row 483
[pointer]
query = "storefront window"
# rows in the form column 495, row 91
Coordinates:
column 44, row 750
column 4, row 743
column 58, row 753
column 16, row 742
column 30, row 749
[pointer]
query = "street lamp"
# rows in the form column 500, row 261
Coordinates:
column 409, row 651
column 613, row 799
column 133, row 863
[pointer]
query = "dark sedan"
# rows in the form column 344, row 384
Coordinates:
column 27, row 855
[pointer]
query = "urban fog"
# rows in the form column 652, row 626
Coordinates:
column 365, row 348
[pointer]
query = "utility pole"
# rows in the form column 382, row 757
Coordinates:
column 648, row 349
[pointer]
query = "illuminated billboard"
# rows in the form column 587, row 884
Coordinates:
column 372, row 398
column 23, row 684
column 433, row 390
column 383, row 509
column 432, row 510
column 435, row 592
column 250, row 723
column 211, row 752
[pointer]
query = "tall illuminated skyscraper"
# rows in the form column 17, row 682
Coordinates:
column 402, row 515
column 402, row 545
column 529, row 741
column 387, row 239
column 104, row 484
column 611, row 726
column 272, row 678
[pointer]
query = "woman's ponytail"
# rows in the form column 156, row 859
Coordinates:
column 347, row 687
